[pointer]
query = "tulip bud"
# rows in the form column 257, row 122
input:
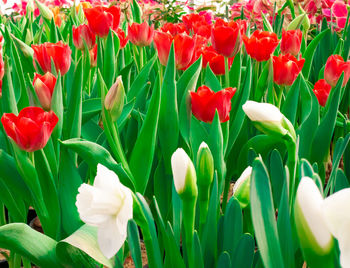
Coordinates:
column 184, row 173
column 30, row 6
column 114, row 101
column 205, row 165
column 315, row 239
column 44, row 86
column 27, row 51
column 241, row 189
column 268, row 119
column 29, row 37
column 44, row 10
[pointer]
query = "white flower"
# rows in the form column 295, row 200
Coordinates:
column 184, row 173
column 108, row 205
column 241, row 188
column 336, row 211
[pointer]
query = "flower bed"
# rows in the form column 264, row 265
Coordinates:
column 124, row 126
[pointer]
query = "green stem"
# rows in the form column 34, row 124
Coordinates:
column 279, row 97
column 292, row 166
column 2, row 215
column 141, row 57
column 26, row 263
column 188, row 210
column 227, row 74
column 203, row 198
column 225, row 194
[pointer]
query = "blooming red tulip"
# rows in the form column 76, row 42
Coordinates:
column 183, row 45
column 101, row 19
column 215, row 60
column 205, row 102
column 291, row 42
column 122, row 38
column 226, row 39
column 83, row 33
column 322, row 90
column 140, row 34
column 31, row 129
column 44, row 86
column 286, row 69
column 335, row 66
column 173, row 28
column 260, row 45
column 59, row 53
column 190, row 19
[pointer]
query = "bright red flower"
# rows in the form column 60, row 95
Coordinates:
column 44, row 86
column 226, row 38
column 101, row 19
column 335, row 66
column 59, row 53
column 286, row 69
column 291, row 42
column 322, row 90
column 183, row 45
column 205, row 102
column 190, row 19
column 83, row 33
column 260, row 45
column 174, row 28
column 215, row 60
column 122, row 38
column 31, row 129
column 140, row 34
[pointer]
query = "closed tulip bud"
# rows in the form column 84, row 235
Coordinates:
column 335, row 66
column 44, row 86
column 241, row 189
column 29, row 37
column 44, row 10
column 30, row 6
column 322, row 90
column 205, row 165
column 82, row 34
column 291, row 42
column 114, row 101
column 184, row 174
column 27, row 51
column 315, row 239
column 268, row 119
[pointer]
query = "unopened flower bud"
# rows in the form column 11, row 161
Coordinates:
column 44, row 86
column 30, row 6
column 241, row 189
column 44, row 10
column 114, row 101
column 205, row 165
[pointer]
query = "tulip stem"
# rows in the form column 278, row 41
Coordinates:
column 203, row 197
column 188, row 211
column 292, row 165
column 227, row 74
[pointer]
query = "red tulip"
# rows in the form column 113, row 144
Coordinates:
column 31, row 129
column 260, row 45
column 2, row 72
column 291, row 42
column 44, row 86
column 93, row 56
column 286, row 69
column 183, row 45
column 59, row 53
column 83, row 33
column 190, row 20
column 215, row 60
column 335, row 66
column 226, row 38
column 322, row 90
column 101, row 19
column 205, row 102
column 173, row 28
column 140, row 34
column 122, row 38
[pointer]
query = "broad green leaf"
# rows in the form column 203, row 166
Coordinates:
column 134, row 243
column 211, row 80
column 244, row 252
column 224, row 260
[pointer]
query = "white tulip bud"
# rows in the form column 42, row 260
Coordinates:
column 241, row 188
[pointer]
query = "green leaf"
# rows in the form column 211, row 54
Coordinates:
column 91, row 108
column 244, row 252
column 143, row 152
column 136, row 12
column 93, row 154
column 224, row 260
column 277, row 175
column 263, row 216
column 290, row 105
column 108, row 60
column 211, row 81
column 198, row 257
column 134, row 243
column 35, row 246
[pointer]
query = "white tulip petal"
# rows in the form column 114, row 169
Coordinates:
column 179, row 164
column 245, row 175
column 262, row 112
column 310, row 202
column 109, row 238
column 106, row 179
column 344, row 245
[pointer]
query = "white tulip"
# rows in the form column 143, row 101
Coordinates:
column 108, row 205
column 184, row 173
column 336, row 211
column 241, row 188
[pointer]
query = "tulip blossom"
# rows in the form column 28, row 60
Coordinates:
column 173, row 28
column 44, row 86
column 315, row 238
column 83, row 33
column 206, row 102
column 260, row 45
column 59, row 53
column 184, row 46
column 336, row 213
column 335, row 66
column 322, row 90
column 268, row 119
column 286, row 69
column 140, row 34
column 215, row 60
column 122, row 38
column 291, row 42
column 101, row 19
column 31, row 129
column 108, row 205
column 241, row 188
column 114, row 100
column 226, row 38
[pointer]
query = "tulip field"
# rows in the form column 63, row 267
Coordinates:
column 143, row 133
